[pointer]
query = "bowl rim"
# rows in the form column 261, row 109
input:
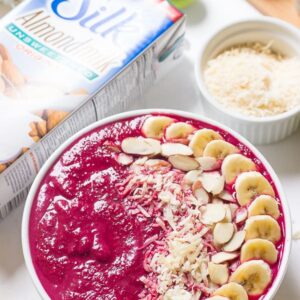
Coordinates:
column 211, row 99
column 51, row 160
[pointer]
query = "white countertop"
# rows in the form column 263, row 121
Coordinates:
column 177, row 91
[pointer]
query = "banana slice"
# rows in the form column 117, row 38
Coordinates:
column 254, row 276
column 179, row 130
column 264, row 227
column 154, row 127
column 232, row 291
column 259, row 249
column 217, row 298
column 201, row 138
column 250, row 184
column 264, row 205
column 234, row 164
column 219, row 149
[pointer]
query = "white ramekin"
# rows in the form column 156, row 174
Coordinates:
column 286, row 39
column 53, row 158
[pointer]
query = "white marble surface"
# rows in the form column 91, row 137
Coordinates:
column 177, row 91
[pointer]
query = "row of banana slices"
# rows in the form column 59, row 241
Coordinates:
column 189, row 149
column 201, row 153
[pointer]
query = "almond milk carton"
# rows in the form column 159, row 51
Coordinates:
column 67, row 63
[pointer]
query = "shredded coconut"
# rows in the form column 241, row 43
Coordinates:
column 254, row 80
column 178, row 267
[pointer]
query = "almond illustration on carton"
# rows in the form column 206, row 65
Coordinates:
column 36, row 138
column 33, row 131
column 24, row 149
column 55, row 117
column 2, row 167
column 2, row 83
column 12, row 81
column 2, row 86
column 12, row 73
column 41, row 128
column 51, row 118
column 4, row 53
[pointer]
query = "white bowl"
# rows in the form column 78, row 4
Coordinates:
column 53, row 158
column 286, row 39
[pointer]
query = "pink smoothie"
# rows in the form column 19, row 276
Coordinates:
column 84, row 242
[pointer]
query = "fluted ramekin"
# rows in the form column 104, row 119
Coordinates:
column 286, row 40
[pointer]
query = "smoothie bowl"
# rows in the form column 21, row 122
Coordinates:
column 156, row 204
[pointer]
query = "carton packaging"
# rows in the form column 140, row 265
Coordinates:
column 66, row 64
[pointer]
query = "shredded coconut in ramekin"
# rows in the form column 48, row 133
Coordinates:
column 254, row 80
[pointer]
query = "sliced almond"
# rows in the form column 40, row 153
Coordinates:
column 157, row 163
column 222, row 257
column 236, row 241
column 218, row 273
column 217, row 201
column 226, row 196
column 208, row 163
column 169, row 149
column 112, row 147
column 213, row 213
column 223, row 233
column 141, row 161
column 4, row 53
column 141, row 146
column 241, row 215
column 228, row 215
column 191, row 176
column 217, row 298
column 213, row 182
column 12, row 73
column 233, row 208
column 201, row 195
column 183, row 163
column 124, row 159
column 197, row 185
